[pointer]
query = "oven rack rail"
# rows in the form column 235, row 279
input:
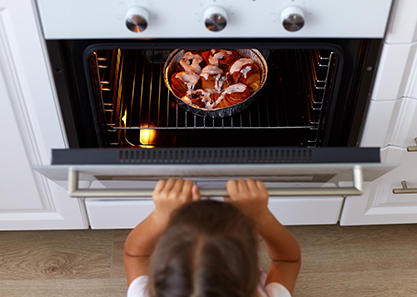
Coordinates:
column 120, row 116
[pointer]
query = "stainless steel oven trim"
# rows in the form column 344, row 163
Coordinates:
column 355, row 190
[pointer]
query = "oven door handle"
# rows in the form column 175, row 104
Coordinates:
column 356, row 189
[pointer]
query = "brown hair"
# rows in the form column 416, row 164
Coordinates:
column 209, row 249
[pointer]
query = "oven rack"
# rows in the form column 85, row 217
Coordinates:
column 134, row 96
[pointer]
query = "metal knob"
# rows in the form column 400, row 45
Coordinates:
column 412, row 148
column 405, row 189
column 292, row 18
column 215, row 18
column 137, row 19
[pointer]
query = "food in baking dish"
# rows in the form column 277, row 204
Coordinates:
column 215, row 78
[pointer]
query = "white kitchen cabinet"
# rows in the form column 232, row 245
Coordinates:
column 392, row 124
column 378, row 204
column 30, row 128
column 394, row 129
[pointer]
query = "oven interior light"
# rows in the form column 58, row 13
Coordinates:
column 124, row 118
column 147, row 137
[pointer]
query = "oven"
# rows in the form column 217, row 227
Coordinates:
column 125, row 125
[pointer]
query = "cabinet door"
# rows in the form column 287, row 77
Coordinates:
column 378, row 204
column 126, row 214
column 30, row 129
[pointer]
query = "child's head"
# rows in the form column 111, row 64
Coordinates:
column 209, row 249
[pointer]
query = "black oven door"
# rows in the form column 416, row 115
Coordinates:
column 289, row 172
column 301, row 133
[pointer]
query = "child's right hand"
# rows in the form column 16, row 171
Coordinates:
column 250, row 196
column 171, row 194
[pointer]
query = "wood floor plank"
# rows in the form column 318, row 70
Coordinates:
column 348, row 249
column 32, row 255
column 118, row 269
column 373, row 236
column 392, row 283
column 64, row 288
column 337, row 261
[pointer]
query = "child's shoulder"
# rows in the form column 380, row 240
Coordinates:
column 138, row 287
column 274, row 290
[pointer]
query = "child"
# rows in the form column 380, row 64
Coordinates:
column 187, row 247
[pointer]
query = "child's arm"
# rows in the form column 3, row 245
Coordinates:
column 141, row 241
column 251, row 197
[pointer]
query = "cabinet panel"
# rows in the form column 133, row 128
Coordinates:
column 379, row 117
column 306, row 211
column 403, row 128
column 391, row 123
column 396, row 72
column 117, row 214
column 30, row 128
column 126, row 214
column 378, row 204
column 402, row 27
column 15, row 166
column 120, row 213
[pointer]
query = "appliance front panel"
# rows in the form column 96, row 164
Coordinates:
column 293, row 172
column 287, row 180
column 95, row 19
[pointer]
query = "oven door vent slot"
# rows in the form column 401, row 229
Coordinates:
column 215, row 156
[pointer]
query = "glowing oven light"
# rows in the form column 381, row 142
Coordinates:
column 124, row 118
column 147, row 137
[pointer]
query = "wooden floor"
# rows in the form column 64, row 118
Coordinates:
column 337, row 261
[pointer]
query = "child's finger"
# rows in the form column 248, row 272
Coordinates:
column 252, row 186
column 195, row 193
column 186, row 189
column 168, row 186
column 231, row 187
column 261, row 186
column 159, row 186
column 242, row 185
column 177, row 187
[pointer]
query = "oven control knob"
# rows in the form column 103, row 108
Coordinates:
column 215, row 18
column 137, row 19
column 292, row 18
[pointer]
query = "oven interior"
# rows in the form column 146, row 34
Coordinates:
column 112, row 94
column 136, row 109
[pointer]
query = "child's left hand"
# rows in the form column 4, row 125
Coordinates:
column 168, row 196
column 171, row 194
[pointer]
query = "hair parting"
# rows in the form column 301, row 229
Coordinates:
column 209, row 249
